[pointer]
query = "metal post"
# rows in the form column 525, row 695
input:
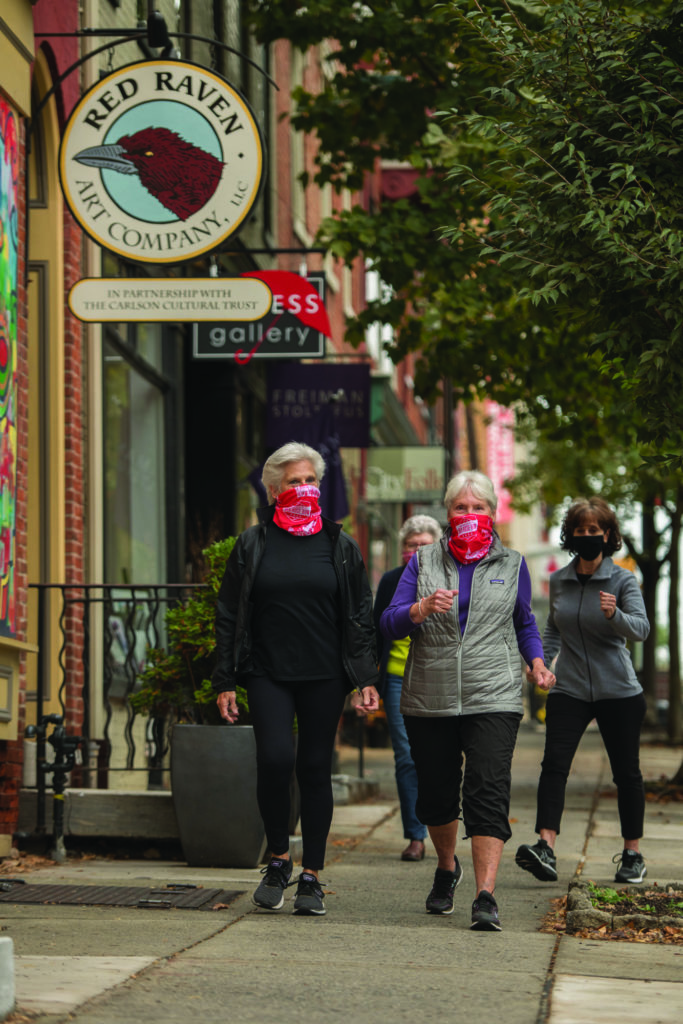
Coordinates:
column 40, row 691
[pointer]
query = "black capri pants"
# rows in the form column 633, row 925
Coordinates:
column 318, row 705
column 487, row 743
column 619, row 721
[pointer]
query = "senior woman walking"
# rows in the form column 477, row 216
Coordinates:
column 294, row 626
column 466, row 604
column 414, row 534
column 595, row 608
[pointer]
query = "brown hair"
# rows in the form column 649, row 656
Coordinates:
column 593, row 508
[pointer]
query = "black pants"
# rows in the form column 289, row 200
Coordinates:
column 318, row 705
column 620, row 722
column 487, row 742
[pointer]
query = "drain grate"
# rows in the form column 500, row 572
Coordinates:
column 170, row 897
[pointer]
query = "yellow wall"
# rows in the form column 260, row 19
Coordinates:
column 16, row 52
column 46, row 417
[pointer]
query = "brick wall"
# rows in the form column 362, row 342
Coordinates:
column 74, row 486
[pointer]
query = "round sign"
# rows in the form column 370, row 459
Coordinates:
column 161, row 161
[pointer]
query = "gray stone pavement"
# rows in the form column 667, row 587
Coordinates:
column 376, row 956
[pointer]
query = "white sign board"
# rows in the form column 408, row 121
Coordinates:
column 161, row 161
column 148, row 299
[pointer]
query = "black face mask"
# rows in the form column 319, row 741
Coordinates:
column 588, row 547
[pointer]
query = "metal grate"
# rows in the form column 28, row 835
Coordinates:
column 170, row 897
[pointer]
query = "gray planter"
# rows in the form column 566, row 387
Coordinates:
column 213, row 781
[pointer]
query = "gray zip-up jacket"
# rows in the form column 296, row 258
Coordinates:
column 448, row 674
column 593, row 660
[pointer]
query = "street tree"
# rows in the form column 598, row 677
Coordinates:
column 585, row 196
column 390, row 69
column 596, row 445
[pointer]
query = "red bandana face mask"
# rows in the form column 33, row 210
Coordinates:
column 471, row 537
column 297, row 510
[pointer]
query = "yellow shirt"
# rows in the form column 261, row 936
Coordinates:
column 398, row 656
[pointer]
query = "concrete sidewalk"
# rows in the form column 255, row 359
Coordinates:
column 376, row 956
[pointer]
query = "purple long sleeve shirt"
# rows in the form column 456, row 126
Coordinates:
column 396, row 622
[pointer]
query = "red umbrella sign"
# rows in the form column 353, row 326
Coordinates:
column 294, row 295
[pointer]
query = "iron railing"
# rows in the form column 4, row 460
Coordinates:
column 129, row 619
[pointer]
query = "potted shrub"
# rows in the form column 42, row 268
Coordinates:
column 213, row 765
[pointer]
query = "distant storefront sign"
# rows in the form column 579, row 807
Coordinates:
column 161, row 161
column 405, row 474
column 145, row 299
column 301, row 398
column 500, row 454
column 294, row 327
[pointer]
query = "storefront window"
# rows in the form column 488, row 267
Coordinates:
column 134, row 472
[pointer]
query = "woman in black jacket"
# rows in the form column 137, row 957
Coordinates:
column 294, row 626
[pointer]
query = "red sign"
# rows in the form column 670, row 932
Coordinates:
column 293, row 295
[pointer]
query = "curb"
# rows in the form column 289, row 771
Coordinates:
column 7, row 997
column 349, row 789
column 581, row 914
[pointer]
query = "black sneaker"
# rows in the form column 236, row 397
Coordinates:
column 539, row 859
column 485, row 913
column 631, row 866
column 440, row 899
column 309, row 896
column 271, row 892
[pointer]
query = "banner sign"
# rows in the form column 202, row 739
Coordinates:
column 305, row 400
column 405, row 474
column 161, row 161
column 295, row 327
column 500, row 454
column 149, row 299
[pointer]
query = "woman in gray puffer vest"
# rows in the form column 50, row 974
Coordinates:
column 595, row 607
column 465, row 602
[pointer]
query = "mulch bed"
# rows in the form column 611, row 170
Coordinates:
column 662, row 791
column 555, row 922
column 654, row 902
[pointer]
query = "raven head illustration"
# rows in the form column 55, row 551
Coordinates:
column 180, row 175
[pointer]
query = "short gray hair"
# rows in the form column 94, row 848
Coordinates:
column 474, row 481
column 419, row 524
column 293, row 451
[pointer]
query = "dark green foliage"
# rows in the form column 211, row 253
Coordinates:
column 176, row 681
column 546, row 227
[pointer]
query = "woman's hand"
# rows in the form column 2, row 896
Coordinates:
column 227, row 706
column 540, row 675
column 365, row 701
column 440, row 601
column 608, row 604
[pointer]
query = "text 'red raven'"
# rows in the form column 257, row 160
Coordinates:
column 181, row 176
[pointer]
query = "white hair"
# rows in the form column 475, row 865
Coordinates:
column 419, row 524
column 293, row 451
column 474, row 481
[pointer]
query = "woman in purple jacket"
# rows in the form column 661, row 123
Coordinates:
column 466, row 604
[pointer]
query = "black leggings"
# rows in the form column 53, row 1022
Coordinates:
column 318, row 705
column 619, row 721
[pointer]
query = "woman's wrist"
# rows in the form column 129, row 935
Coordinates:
column 420, row 614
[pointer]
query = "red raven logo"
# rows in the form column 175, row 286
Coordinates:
column 180, row 175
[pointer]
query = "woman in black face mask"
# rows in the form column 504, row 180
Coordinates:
column 595, row 607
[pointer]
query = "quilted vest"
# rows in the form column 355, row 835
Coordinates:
column 448, row 674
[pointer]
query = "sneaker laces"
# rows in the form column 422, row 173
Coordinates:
column 276, row 874
column 310, row 885
column 485, row 902
column 626, row 857
column 443, row 884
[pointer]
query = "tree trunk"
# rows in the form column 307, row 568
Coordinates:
column 674, row 724
column 677, row 779
column 650, row 570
